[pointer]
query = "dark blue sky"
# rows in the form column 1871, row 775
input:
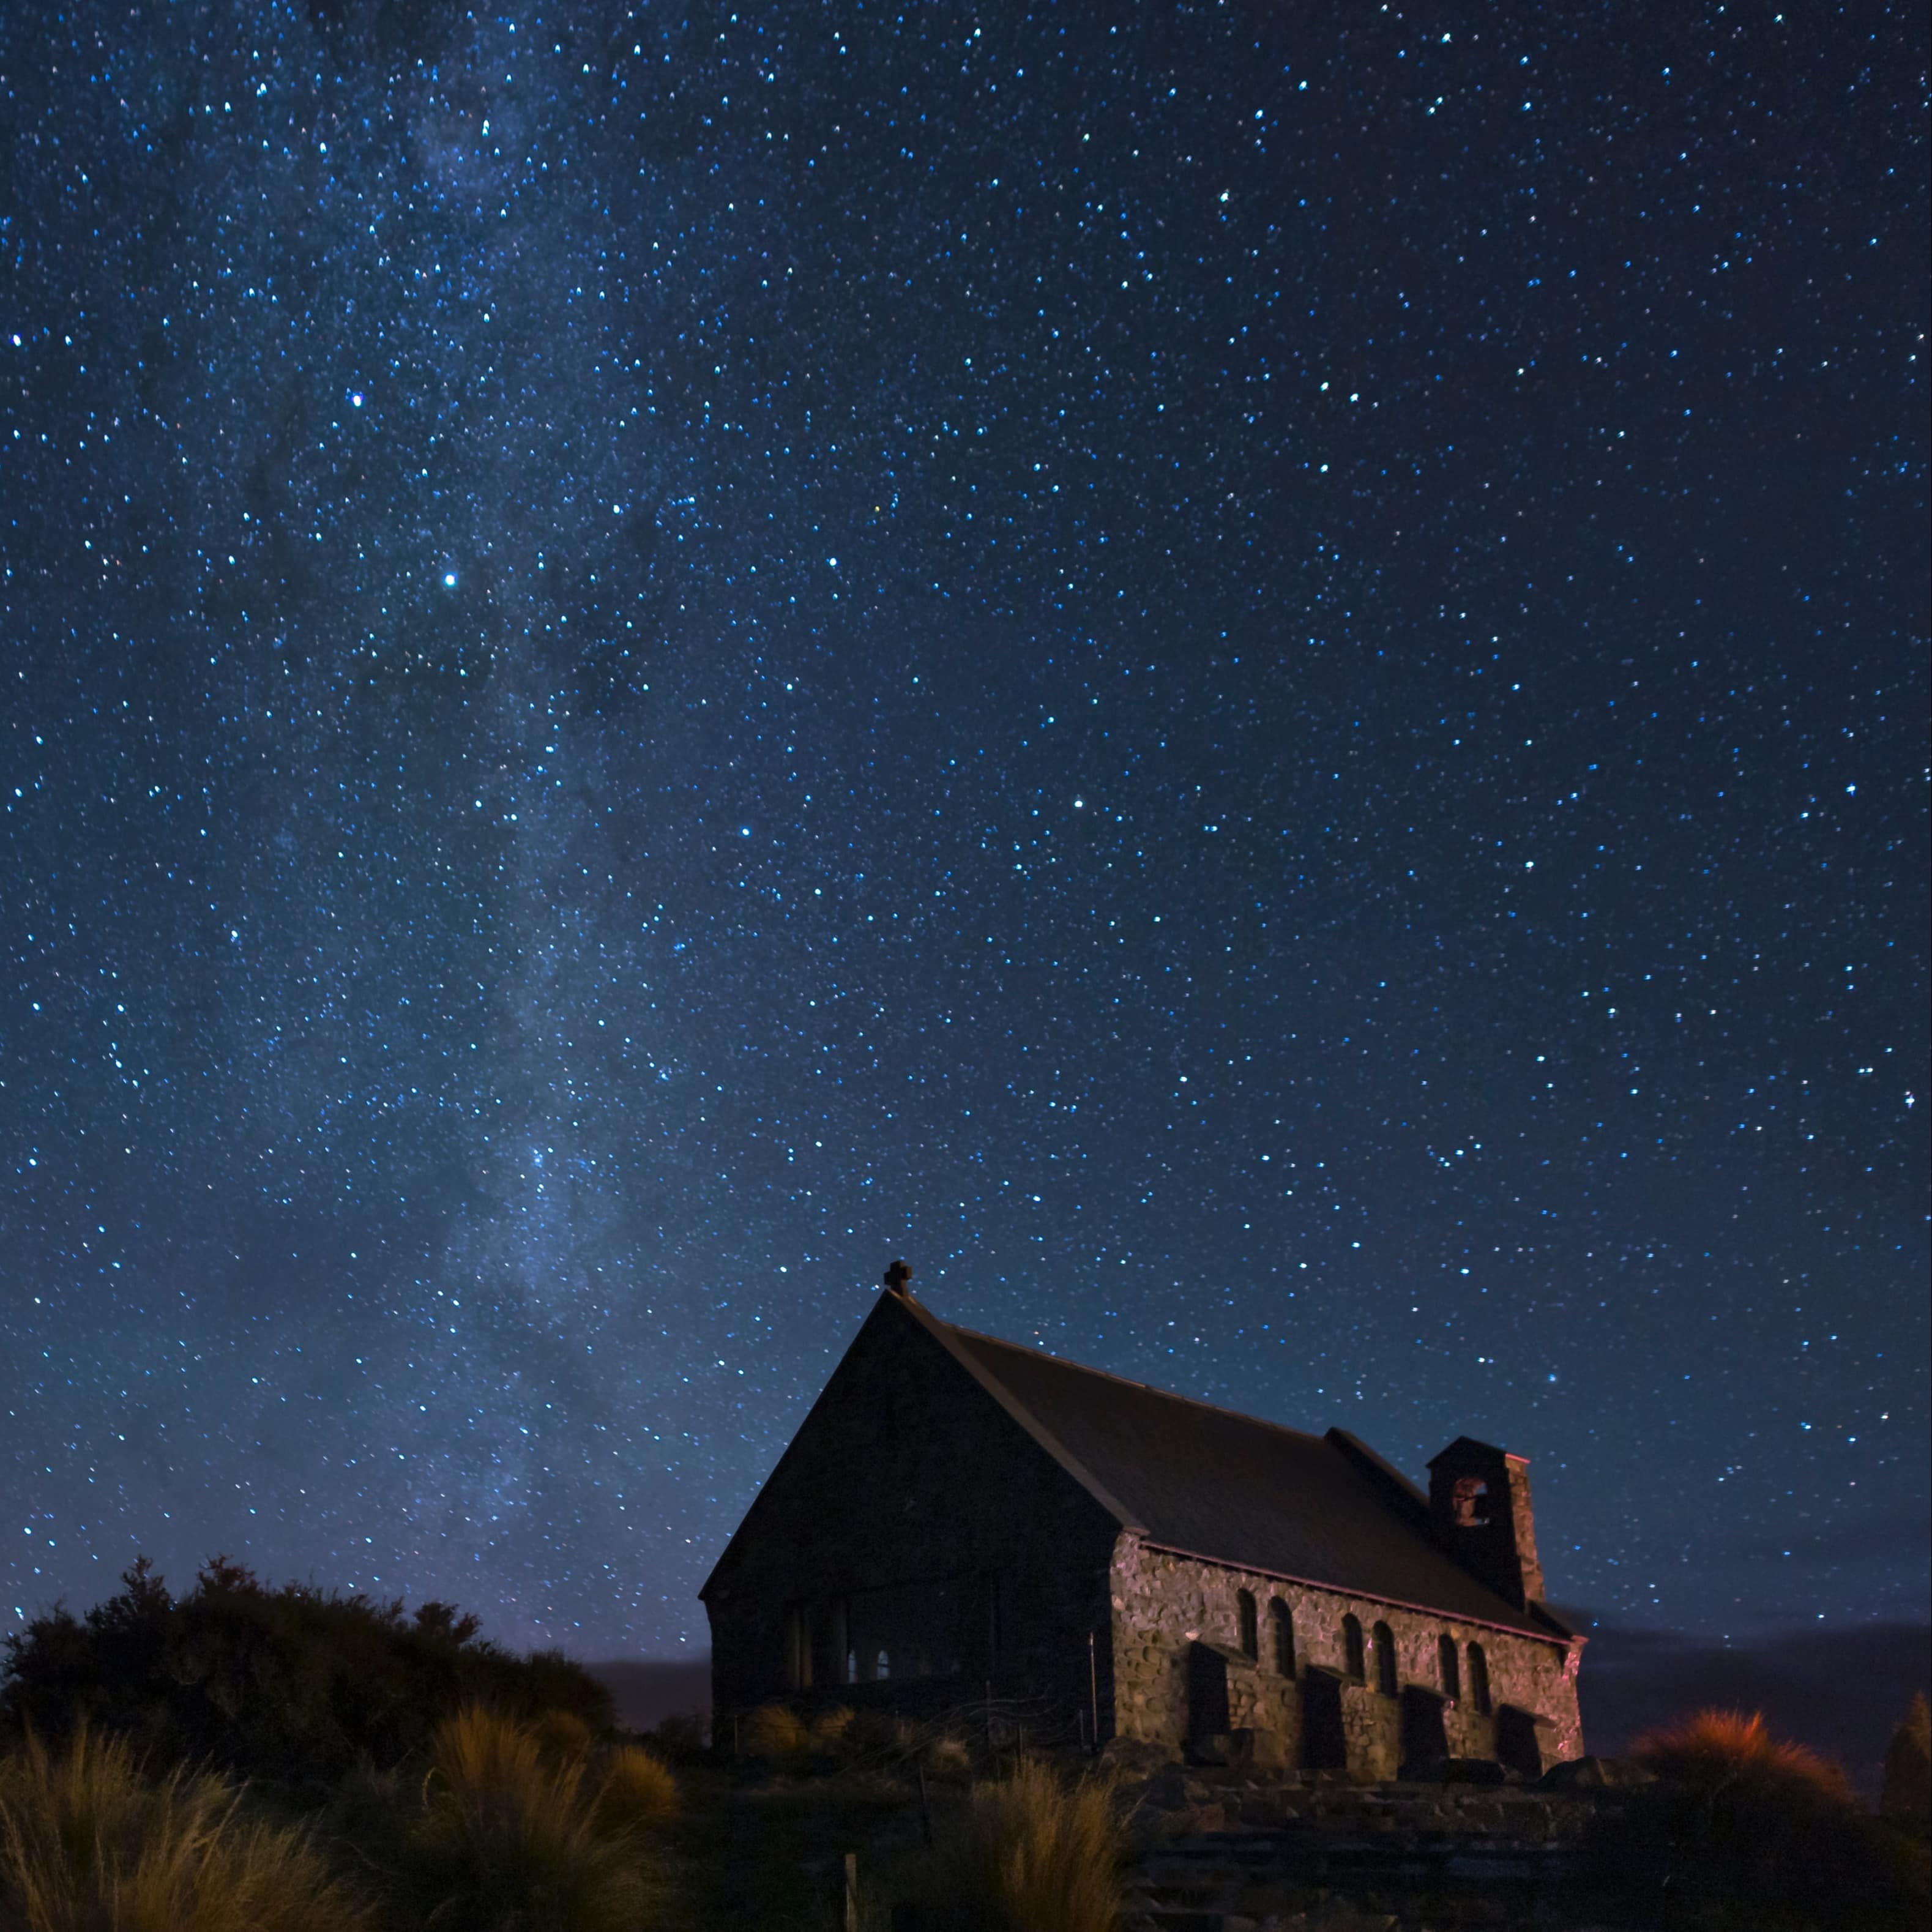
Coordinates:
column 1253, row 680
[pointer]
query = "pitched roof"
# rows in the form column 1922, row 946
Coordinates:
column 1231, row 1488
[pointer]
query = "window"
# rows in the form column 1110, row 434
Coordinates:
column 1245, row 1620
column 1448, row 1667
column 1281, row 1628
column 913, row 1630
column 1352, row 1660
column 798, row 1647
column 1479, row 1679
column 1385, row 1679
column 1469, row 1502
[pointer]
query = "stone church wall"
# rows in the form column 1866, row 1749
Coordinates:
column 1166, row 1607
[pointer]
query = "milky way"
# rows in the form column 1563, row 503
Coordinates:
column 1262, row 698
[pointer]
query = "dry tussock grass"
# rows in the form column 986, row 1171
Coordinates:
column 87, row 1844
column 772, row 1731
column 1717, row 1748
column 512, row 1839
column 564, row 1734
column 637, row 1791
column 1034, row 1853
column 832, row 1730
column 1746, row 1832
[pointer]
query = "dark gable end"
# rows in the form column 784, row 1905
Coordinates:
column 790, row 1510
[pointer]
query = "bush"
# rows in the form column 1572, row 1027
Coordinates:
column 287, row 1684
column 86, row 1841
column 1744, row 1830
column 1907, row 1792
column 1032, row 1853
column 681, row 1738
column 511, row 1840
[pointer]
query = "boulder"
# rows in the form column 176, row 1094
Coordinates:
column 1594, row 1773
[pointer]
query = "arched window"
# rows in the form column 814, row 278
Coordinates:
column 1244, row 1619
column 1449, row 1667
column 882, row 1668
column 1281, row 1629
column 1353, row 1660
column 1385, row 1661
column 1479, row 1679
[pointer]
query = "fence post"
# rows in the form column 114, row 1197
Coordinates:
column 852, row 1892
column 1093, row 1686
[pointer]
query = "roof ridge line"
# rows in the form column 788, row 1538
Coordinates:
column 1128, row 1381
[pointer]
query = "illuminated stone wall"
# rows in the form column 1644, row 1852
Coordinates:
column 1163, row 1605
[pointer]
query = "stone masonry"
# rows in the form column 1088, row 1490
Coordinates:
column 1164, row 1604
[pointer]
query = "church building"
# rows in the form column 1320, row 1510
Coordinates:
column 961, row 1521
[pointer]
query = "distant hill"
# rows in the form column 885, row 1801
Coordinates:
column 646, row 1690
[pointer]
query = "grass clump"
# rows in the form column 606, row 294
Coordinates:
column 1033, row 1852
column 1719, row 1750
column 636, row 1790
column 1747, row 1831
column 563, row 1734
column 774, row 1731
column 832, row 1730
column 87, row 1842
column 511, row 1838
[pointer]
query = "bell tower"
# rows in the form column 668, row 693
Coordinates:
column 1479, row 1501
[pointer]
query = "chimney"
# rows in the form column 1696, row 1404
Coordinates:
column 898, row 1280
column 1479, row 1501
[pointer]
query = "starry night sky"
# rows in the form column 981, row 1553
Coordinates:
column 1252, row 680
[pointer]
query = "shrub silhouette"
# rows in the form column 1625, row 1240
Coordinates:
column 289, row 1683
column 86, row 1841
column 1743, row 1829
column 1033, row 1854
column 511, row 1840
column 1906, row 1795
